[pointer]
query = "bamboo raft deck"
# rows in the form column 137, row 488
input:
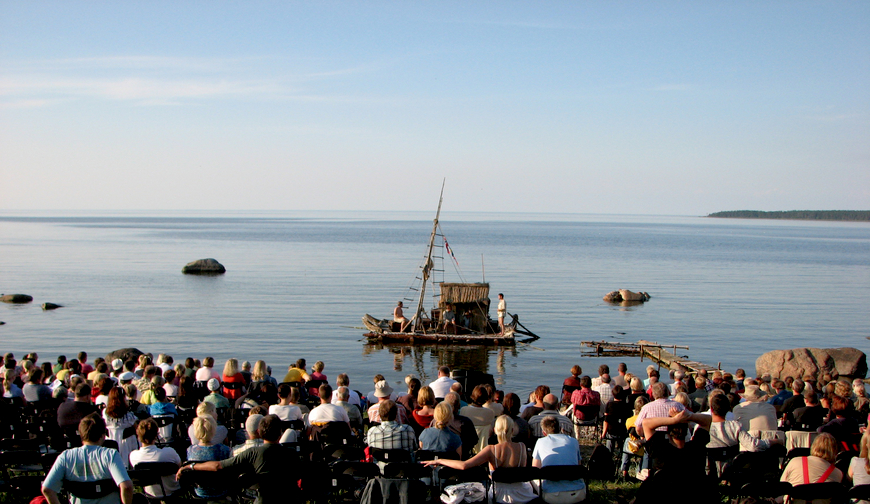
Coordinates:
column 651, row 350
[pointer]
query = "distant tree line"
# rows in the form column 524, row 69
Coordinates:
column 827, row 215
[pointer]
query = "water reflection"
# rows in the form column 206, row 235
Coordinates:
column 424, row 360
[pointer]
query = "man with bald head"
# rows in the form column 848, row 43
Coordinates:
column 551, row 404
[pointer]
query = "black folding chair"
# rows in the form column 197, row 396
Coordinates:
column 146, row 474
column 832, row 492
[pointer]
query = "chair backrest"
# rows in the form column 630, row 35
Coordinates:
column 860, row 492
column 389, row 456
column 836, row 492
column 515, row 474
column 90, row 489
column 422, row 455
column 563, row 472
column 406, row 470
column 483, row 433
column 799, row 439
column 233, row 385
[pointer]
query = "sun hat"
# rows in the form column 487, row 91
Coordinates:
column 754, row 394
column 213, row 384
column 383, row 389
column 128, row 376
column 117, row 364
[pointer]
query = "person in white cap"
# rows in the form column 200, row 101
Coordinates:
column 383, row 390
column 215, row 397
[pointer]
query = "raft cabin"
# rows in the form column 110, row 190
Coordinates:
column 469, row 300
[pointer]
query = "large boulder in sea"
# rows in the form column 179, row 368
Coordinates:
column 16, row 298
column 204, row 267
column 845, row 362
column 124, row 354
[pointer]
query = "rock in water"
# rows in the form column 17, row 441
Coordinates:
column 845, row 362
column 16, row 298
column 1, row 322
column 51, row 306
column 204, row 267
column 124, row 354
column 613, row 297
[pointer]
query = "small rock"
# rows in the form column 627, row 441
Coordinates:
column 2, row 323
column 204, row 267
column 16, row 298
column 51, row 306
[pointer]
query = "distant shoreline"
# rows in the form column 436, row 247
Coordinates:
column 824, row 215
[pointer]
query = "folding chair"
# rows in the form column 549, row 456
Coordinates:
column 150, row 474
column 834, row 493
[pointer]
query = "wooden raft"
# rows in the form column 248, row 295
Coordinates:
column 654, row 351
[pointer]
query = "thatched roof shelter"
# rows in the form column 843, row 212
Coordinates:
column 463, row 293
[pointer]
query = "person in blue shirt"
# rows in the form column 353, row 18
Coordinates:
column 555, row 449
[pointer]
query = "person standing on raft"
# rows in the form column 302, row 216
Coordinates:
column 502, row 309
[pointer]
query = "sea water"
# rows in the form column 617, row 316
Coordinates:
column 297, row 284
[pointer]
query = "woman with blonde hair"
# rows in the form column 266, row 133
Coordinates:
column 10, row 389
column 233, row 380
column 440, row 438
column 207, row 409
column 205, row 450
column 504, row 454
column 818, row 467
column 317, row 371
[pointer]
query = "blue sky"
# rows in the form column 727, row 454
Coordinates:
column 586, row 107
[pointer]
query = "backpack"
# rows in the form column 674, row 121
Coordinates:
column 600, row 464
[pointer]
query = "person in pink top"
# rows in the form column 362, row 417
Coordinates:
column 317, row 371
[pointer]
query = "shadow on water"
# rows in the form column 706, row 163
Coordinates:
column 424, row 360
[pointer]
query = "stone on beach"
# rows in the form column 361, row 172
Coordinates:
column 844, row 362
column 124, row 354
column 16, row 298
column 204, row 267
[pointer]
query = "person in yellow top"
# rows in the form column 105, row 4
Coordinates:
column 294, row 374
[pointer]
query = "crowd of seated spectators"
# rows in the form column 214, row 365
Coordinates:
column 158, row 410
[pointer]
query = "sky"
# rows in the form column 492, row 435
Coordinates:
column 659, row 108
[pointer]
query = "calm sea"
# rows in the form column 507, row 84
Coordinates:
column 298, row 283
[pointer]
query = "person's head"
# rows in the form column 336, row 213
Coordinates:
column 208, row 409
column 92, row 429
column 213, row 385
column 147, row 431
column 300, row 363
column 659, row 390
column 252, row 425
column 778, row 385
column 679, row 374
column 343, row 394
column 550, row 402
column 169, row 376
column 131, row 391
column 102, row 368
column 284, row 391
column 602, row 369
column 623, row 368
column 479, row 395
column 414, row 386
column 605, row 379
column 585, row 381
column 720, row 405
column 505, row 428
column 839, row 405
column 683, row 398
column 456, row 387
column 231, row 368
column 144, row 360
column 150, row 372
column 637, row 385
column 259, row 372
column 639, row 403
column 797, row 386
column 208, row 362
column 511, row 404
column 425, row 396
column 159, row 394
column 387, row 410
column 858, row 387
column 443, row 371
column 653, row 376
column 452, row 398
column 61, row 359
column 753, row 393
column 576, row 370
column 825, row 447
column 270, row 429
column 700, row 382
column 549, row 425
column 246, row 366
column 540, row 392
column 293, row 398
column 157, row 382
column 443, row 415
column 83, row 392
column 83, row 357
column 342, row 380
column 35, row 376
column 325, row 391
column 127, row 365
column 189, row 363
column 400, row 304
column 116, row 405
column 317, row 367
column 810, row 398
column 204, row 428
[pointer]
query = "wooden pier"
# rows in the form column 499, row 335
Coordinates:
column 661, row 354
